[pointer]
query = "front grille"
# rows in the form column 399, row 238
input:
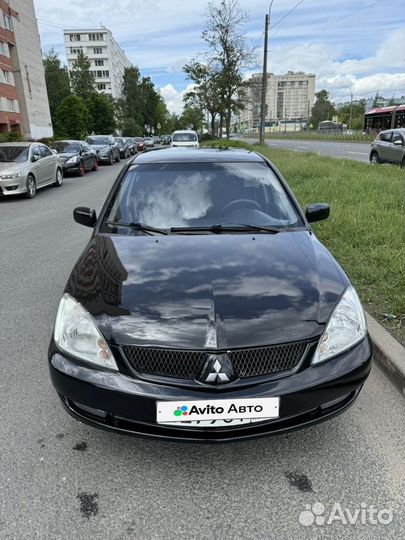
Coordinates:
column 188, row 364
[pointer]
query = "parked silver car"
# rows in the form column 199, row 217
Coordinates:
column 389, row 147
column 26, row 167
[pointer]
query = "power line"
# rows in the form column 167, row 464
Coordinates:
column 287, row 14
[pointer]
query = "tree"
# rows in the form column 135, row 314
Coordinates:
column 323, row 109
column 192, row 117
column 206, row 94
column 72, row 118
column 376, row 101
column 357, row 114
column 81, row 79
column 228, row 53
column 101, row 111
column 57, row 81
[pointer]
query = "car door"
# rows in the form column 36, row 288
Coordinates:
column 38, row 165
column 49, row 163
column 396, row 147
column 384, row 146
column 86, row 156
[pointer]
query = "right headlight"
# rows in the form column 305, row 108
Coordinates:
column 346, row 327
column 77, row 334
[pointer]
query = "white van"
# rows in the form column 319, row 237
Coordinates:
column 186, row 138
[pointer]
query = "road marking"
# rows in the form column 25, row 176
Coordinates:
column 303, row 147
column 361, row 153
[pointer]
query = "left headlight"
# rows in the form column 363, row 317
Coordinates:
column 346, row 327
column 72, row 160
column 77, row 334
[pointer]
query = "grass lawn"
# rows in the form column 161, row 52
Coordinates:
column 313, row 135
column 365, row 231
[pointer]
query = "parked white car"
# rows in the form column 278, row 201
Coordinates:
column 26, row 167
column 185, row 138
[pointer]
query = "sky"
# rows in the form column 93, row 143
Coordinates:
column 353, row 46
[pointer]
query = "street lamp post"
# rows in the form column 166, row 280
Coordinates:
column 264, row 78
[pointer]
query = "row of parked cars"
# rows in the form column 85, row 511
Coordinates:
column 26, row 167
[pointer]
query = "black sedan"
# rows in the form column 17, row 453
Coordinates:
column 124, row 147
column 76, row 156
column 204, row 308
column 106, row 148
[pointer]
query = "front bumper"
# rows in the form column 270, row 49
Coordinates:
column 71, row 167
column 13, row 186
column 117, row 402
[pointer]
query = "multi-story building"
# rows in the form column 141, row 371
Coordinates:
column 24, row 106
column 108, row 60
column 289, row 97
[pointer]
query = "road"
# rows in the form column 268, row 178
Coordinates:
column 346, row 150
column 61, row 479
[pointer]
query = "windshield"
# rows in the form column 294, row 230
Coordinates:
column 13, row 153
column 184, row 137
column 98, row 140
column 138, row 139
column 165, row 195
column 66, row 147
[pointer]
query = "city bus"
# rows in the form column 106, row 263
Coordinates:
column 384, row 118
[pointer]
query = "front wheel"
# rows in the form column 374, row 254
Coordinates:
column 118, row 158
column 82, row 169
column 402, row 164
column 111, row 160
column 58, row 178
column 31, row 187
column 95, row 166
column 374, row 159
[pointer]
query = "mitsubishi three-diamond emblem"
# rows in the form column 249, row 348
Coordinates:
column 218, row 369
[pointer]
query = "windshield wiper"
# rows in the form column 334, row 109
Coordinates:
column 136, row 227
column 217, row 229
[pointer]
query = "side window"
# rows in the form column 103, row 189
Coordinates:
column 397, row 137
column 36, row 151
column 45, row 152
column 386, row 137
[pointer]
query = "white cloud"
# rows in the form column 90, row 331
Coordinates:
column 173, row 97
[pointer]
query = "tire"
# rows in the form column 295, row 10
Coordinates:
column 31, row 187
column 111, row 161
column 82, row 169
column 402, row 164
column 95, row 166
column 118, row 158
column 374, row 159
column 58, row 178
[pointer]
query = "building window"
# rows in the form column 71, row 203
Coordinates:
column 75, row 50
column 103, row 73
column 101, row 86
column 99, row 62
column 8, row 23
column 11, row 105
column 97, row 50
column 96, row 37
column 7, row 77
column 74, row 37
column 4, row 50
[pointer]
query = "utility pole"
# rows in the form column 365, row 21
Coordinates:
column 264, row 79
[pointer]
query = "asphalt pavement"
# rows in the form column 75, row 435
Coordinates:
column 60, row 479
column 347, row 150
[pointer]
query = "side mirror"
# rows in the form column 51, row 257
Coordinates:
column 85, row 216
column 398, row 142
column 54, row 151
column 35, row 157
column 317, row 212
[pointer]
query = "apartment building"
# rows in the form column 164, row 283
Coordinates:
column 24, row 106
column 289, row 98
column 108, row 60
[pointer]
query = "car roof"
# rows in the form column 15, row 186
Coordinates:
column 212, row 155
column 70, row 141
column 402, row 130
column 21, row 143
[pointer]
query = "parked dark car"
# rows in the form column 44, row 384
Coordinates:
column 140, row 144
column 389, row 147
column 124, row 147
column 131, row 145
column 166, row 139
column 204, row 307
column 76, row 156
column 106, row 148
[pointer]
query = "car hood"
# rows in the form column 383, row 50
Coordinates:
column 67, row 155
column 11, row 166
column 208, row 291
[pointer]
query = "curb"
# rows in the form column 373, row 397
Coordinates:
column 388, row 353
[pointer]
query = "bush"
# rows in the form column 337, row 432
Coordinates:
column 227, row 143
